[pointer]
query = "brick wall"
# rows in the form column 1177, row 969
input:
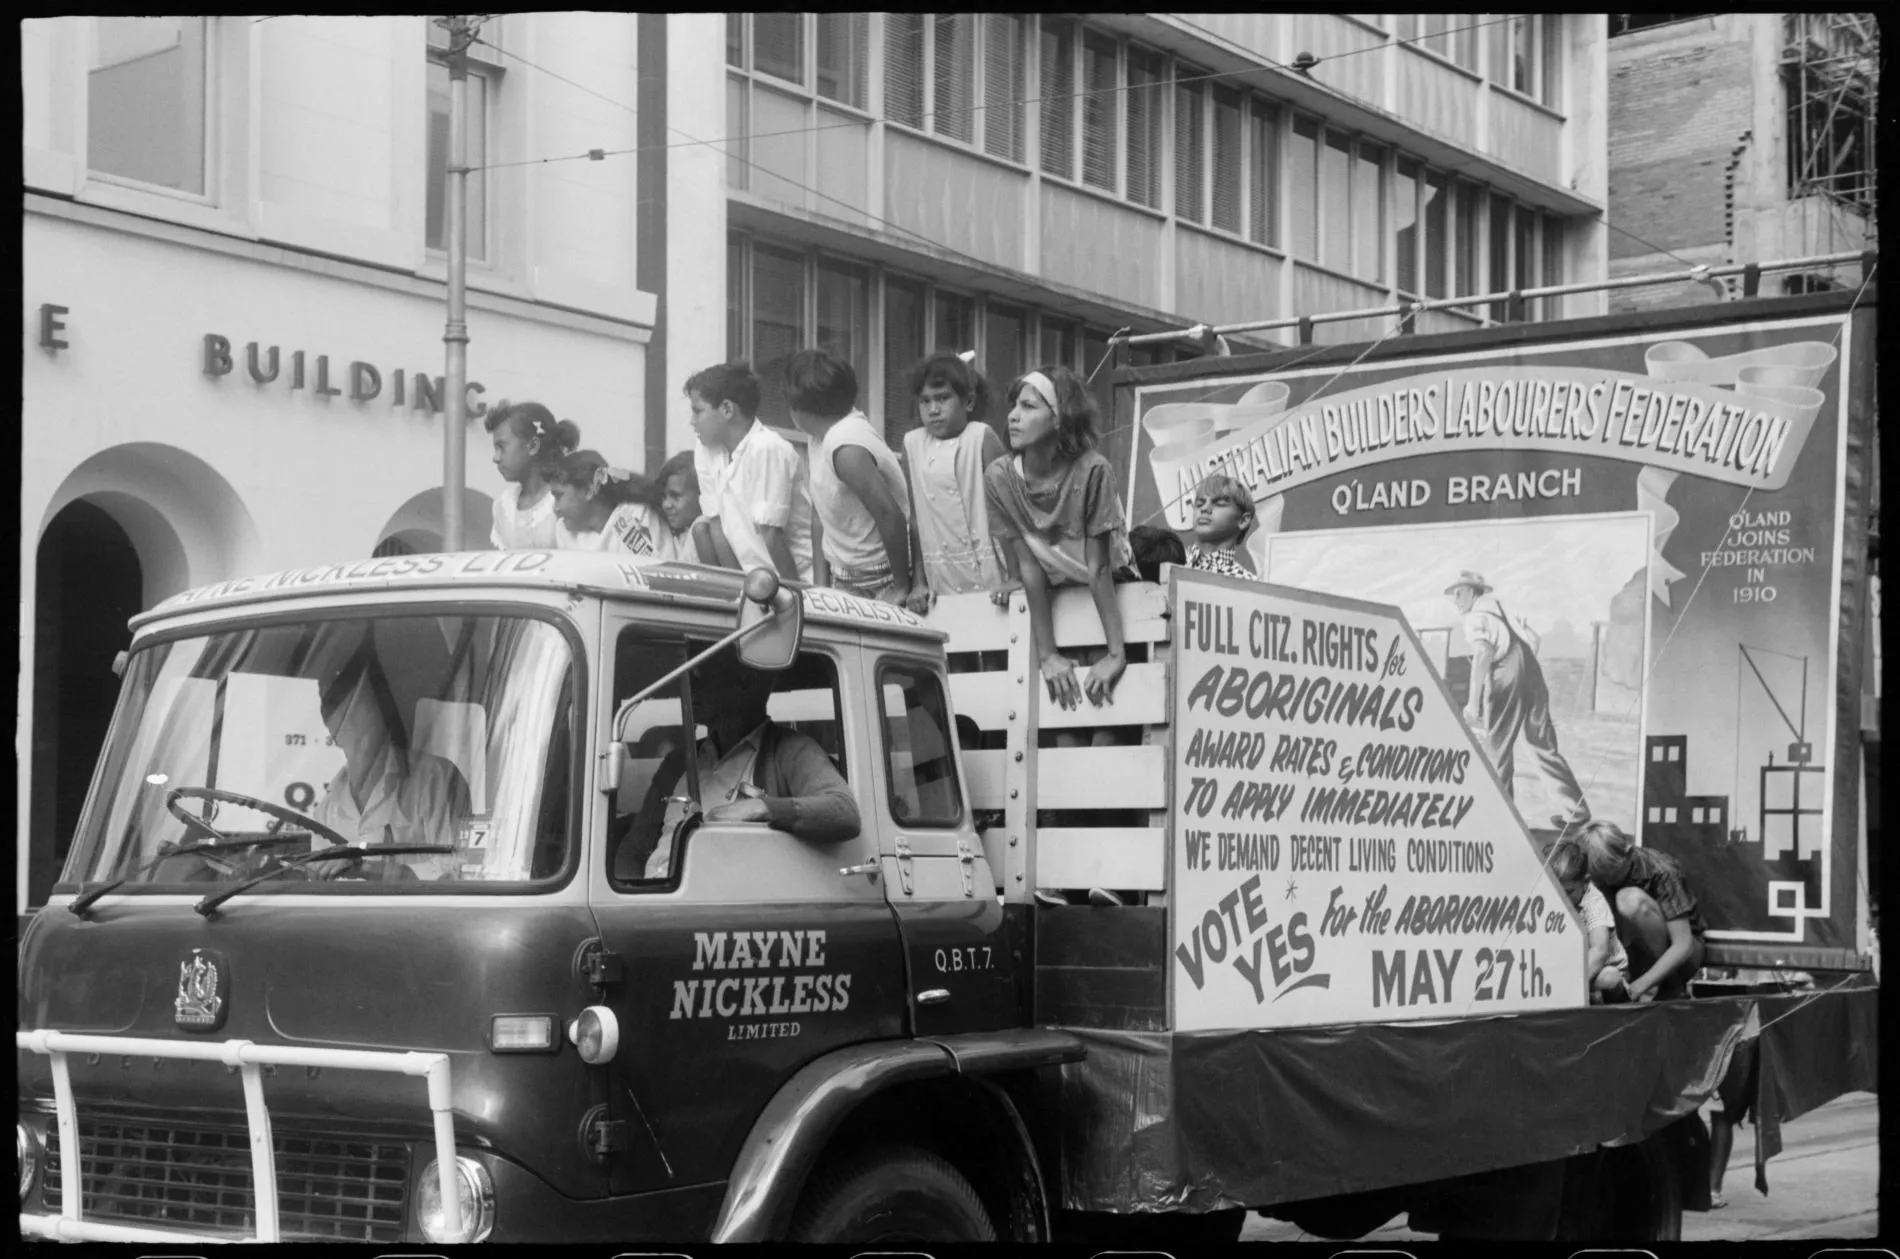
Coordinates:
column 1681, row 98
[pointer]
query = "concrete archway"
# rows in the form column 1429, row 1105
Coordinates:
column 185, row 521
column 417, row 524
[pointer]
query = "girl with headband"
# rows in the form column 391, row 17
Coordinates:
column 529, row 443
column 1053, row 507
column 603, row 508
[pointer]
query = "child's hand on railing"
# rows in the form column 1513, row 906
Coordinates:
column 1058, row 672
column 1099, row 685
column 1000, row 595
column 920, row 600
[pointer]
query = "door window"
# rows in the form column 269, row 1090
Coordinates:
column 922, row 756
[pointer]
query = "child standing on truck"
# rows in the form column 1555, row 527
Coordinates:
column 1223, row 515
column 857, row 487
column 1154, row 546
column 529, row 442
column 603, row 508
column 946, row 456
column 1053, row 504
column 1606, row 961
column 679, row 507
column 759, row 506
column 1656, row 914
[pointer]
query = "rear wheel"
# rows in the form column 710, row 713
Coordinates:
column 888, row 1194
column 1632, row 1193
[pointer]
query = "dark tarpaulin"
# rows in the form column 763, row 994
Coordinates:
column 1203, row 1121
column 1814, row 1047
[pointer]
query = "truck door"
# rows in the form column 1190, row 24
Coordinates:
column 958, row 945
column 742, row 951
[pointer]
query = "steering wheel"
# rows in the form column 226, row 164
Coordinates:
column 278, row 811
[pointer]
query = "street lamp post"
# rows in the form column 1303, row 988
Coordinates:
column 462, row 30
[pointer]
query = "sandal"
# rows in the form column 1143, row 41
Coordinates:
column 1716, row 1200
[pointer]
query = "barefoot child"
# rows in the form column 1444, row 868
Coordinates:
column 1223, row 515
column 529, row 442
column 857, row 487
column 946, row 456
column 603, row 508
column 1053, row 503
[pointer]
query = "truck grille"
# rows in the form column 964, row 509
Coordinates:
column 199, row 1178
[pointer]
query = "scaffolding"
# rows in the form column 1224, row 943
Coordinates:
column 1830, row 63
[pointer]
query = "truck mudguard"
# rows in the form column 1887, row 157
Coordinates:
column 792, row 1130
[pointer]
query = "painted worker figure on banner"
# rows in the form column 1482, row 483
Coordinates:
column 1509, row 696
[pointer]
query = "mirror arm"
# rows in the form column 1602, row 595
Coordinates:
column 743, row 632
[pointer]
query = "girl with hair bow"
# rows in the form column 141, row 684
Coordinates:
column 603, row 508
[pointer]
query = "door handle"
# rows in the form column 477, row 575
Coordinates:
column 872, row 868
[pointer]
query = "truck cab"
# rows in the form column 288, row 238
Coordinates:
column 398, row 871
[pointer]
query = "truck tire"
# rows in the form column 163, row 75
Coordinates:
column 1148, row 1229
column 888, row 1194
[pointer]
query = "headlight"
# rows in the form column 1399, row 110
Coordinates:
column 596, row 1033
column 28, row 1148
column 475, row 1190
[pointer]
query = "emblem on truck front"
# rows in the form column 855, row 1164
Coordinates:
column 204, row 986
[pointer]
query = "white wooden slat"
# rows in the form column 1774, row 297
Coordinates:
column 1110, row 857
column 985, row 698
column 1140, row 698
column 985, row 774
column 972, row 622
column 1144, row 607
column 1102, row 778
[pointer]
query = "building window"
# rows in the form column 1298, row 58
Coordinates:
column 1465, row 220
column 1526, row 51
column 1437, row 235
column 145, row 101
column 956, row 323
column 778, row 45
column 1004, row 328
column 904, row 348
column 954, row 66
column 484, row 75
column 1263, row 225
column 844, row 315
column 1058, row 342
column 778, row 324
column 1368, row 213
column 1146, row 145
column 1058, row 98
column 1405, row 226
column 1101, row 110
column 1005, row 35
column 1190, row 147
column 1335, row 193
column 1302, row 184
column 1500, row 277
column 735, row 40
column 904, row 68
column 1229, row 117
column 843, row 39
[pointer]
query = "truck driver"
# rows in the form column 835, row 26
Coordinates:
column 750, row 770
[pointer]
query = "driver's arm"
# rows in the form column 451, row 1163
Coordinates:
column 813, row 802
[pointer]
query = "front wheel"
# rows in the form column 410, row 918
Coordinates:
column 893, row 1193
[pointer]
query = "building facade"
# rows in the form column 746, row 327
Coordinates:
column 234, row 303
column 1024, row 185
column 1739, row 137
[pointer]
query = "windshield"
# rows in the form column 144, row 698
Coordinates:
column 256, row 746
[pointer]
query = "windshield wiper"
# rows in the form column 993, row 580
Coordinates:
column 83, row 902
column 215, row 899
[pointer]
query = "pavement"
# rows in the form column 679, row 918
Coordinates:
column 1825, row 1183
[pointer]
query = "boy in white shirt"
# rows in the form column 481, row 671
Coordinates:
column 752, row 487
column 857, row 485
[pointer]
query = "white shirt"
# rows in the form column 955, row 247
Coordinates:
column 414, row 808
column 633, row 529
column 722, row 779
column 758, row 484
column 1484, row 625
column 853, row 545
column 1596, row 913
column 523, row 529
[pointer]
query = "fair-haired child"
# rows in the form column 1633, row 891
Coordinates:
column 603, row 508
column 1606, row 961
column 1656, row 914
column 529, row 442
column 678, row 480
column 946, row 456
column 1053, row 504
column 1223, row 515
column 857, row 486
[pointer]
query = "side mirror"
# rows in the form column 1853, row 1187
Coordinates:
column 771, row 623
column 613, row 763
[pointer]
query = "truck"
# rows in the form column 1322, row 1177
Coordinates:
column 1334, row 994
